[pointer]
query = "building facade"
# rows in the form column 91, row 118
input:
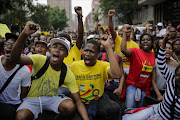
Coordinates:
column 63, row 4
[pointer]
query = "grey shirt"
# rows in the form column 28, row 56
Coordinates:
column 11, row 93
column 160, row 80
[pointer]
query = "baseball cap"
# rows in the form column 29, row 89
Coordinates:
column 160, row 24
column 43, row 42
column 10, row 35
column 61, row 40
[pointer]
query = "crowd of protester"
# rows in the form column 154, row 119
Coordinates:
column 100, row 75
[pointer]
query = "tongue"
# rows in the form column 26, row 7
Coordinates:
column 87, row 61
column 55, row 59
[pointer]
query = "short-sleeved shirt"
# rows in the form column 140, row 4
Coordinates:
column 141, row 67
column 110, row 83
column 11, row 94
column 48, row 83
column 90, row 79
column 73, row 55
column 130, row 44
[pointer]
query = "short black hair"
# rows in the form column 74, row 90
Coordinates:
column 94, row 43
column 11, row 36
column 170, row 44
column 175, row 42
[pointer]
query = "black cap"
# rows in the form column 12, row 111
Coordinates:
column 43, row 42
column 10, row 35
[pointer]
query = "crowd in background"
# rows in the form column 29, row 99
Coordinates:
column 139, row 63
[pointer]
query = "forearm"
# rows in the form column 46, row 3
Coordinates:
column 18, row 47
column 148, row 30
column 52, row 35
column 154, row 85
column 114, row 67
column 82, row 110
column 124, row 50
column 111, row 28
column 163, row 44
column 80, row 33
column 24, row 92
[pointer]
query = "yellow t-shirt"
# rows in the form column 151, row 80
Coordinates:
column 90, row 80
column 48, row 83
column 46, row 33
column 40, row 32
column 73, row 55
column 130, row 44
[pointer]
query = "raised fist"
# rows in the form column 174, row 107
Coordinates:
column 146, row 24
column 78, row 10
column 30, row 28
column 111, row 13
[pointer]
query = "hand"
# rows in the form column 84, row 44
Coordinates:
column 160, row 97
column 117, row 91
column 166, row 37
column 127, row 29
column 78, row 10
column 105, row 41
column 52, row 28
column 111, row 13
column 30, row 28
column 146, row 24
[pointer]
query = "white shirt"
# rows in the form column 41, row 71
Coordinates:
column 11, row 93
column 160, row 33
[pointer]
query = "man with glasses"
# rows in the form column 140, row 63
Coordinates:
column 17, row 89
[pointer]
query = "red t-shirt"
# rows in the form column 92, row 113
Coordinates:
column 141, row 68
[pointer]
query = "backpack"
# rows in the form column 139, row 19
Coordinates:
column 45, row 67
column 104, row 57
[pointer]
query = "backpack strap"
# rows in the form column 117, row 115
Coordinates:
column 103, row 56
column 63, row 74
column 9, row 79
column 117, row 58
column 42, row 70
column 45, row 67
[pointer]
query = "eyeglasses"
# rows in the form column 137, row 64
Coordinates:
column 8, row 43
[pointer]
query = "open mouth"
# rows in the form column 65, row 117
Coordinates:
column 167, row 54
column 8, row 52
column 55, row 57
column 39, row 51
column 87, row 60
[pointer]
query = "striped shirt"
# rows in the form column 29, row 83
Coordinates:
column 164, row 108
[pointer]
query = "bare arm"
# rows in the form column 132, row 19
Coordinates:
column 114, row 70
column 24, row 92
column 146, row 24
column 121, row 83
column 79, row 40
column 80, row 106
column 17, row 49
column 132, row 35
column 127, row 52
column 52, row 28
column 111, row 28
column 154, row 85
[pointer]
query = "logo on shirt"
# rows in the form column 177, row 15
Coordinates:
column 146, row 66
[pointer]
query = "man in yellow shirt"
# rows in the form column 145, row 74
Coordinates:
column 130, row 43
column 75, row 51
column 44, row 94
column 91, row 75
